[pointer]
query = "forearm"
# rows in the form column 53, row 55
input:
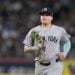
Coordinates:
column 30, row 48
column 64, row 51
column 67, row 48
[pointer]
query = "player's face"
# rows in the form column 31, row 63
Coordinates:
column 46, row 19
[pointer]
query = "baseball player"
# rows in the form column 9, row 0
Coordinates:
column 50, row 43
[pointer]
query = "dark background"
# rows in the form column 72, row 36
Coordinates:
column 17, row 17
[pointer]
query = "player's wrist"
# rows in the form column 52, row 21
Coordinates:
column 27, row 48
column 35, row 48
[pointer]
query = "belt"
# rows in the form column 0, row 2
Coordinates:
column 49, row 63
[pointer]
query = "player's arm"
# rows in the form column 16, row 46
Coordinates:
column 65, row 45
column 27, row 48
column 28, row 44
column 30, row 48
column 64, row 50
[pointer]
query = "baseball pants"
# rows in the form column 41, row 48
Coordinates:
column 55, row 68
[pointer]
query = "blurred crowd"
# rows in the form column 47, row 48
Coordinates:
column 17, row 17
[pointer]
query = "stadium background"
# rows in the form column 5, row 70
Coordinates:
column 17, row 17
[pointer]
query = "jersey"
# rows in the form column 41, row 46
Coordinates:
column 53, row 38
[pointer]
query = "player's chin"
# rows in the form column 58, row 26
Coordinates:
column 44, row 23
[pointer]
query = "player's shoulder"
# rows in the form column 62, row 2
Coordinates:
column 59, row 28
column 33, row 29
column 63, row 30
column 36, row 28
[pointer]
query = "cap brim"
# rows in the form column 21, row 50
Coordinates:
column 46, row 13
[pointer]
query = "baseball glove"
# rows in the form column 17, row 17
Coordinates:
column 37, row 39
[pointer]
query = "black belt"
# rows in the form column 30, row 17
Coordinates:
column 49, row 63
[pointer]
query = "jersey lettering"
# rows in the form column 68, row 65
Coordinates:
column 50, row 38
column 53, row 39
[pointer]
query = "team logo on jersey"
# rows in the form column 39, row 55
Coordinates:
column 51, row 38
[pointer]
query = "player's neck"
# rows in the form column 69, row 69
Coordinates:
column 46, row 26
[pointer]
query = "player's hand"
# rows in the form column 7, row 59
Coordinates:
column 61, row 56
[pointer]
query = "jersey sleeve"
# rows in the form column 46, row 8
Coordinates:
column 65, row 36
column 28, row 41
column 65, row 42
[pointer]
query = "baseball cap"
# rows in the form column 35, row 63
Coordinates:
column 46, row 10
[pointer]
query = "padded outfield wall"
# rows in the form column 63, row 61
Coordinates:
column 21, row 66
